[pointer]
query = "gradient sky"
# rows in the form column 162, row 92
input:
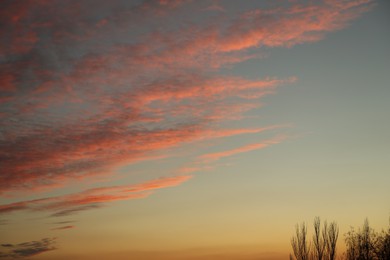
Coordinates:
column 179, row 129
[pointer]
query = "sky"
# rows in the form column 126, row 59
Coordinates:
column 199, row 130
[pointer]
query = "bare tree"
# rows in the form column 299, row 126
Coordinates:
column 363, row 244
column 360, row 243
column 324, row 242
column 319, row 240
column 351, row 242
column 366, row 247
column 385, row 245
column 331, row 241
column 382, row 245
column 366, row 244
column 299, row 243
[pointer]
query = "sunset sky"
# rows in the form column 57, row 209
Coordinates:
column 190, row 129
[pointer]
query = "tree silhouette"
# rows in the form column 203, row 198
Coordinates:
column 319, row 240
column 366, row 244
column 299, row 243
column 331, row 241
column 363, row 244
column 323, row 246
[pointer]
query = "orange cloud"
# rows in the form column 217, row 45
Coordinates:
column 93, row 198
column 242, row 149
column 101, row 143
column 63, row 227
column 291, row 25
column 82, row 94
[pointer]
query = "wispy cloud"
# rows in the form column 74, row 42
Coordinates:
column 63, row 222
column 84, row 89
column 72, row 209
column 63, row 227
column 92, row 198
column 242, row 149
column 27, row 249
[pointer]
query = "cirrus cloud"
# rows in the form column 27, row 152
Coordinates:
column 65, row 205
column 84, row 89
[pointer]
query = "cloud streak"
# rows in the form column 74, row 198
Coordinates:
column 63, row 227
column 85, row 90
column 92, row 198
column 242, row 149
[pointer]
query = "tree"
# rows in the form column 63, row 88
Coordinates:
column 382, row 245
column 331, row 240
column 323, row 246
column 366, row 244
column 299, row 243
column 319, row 240
column 363, row 244
column 360, row 244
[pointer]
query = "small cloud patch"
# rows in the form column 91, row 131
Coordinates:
column 28, row 249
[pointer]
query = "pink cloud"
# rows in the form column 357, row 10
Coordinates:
column 108, row 141
column 293, row 25
column 232, row 132
column 242, row 149
column 93, row 198
column 83, row 94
